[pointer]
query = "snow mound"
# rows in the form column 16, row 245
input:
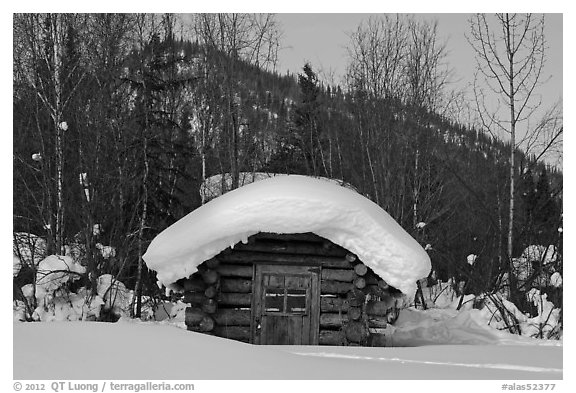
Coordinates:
column 54, row 271
column 442, row 327
column 291, row 204
column 50, row 351
column 556, row 280
column 115, row 294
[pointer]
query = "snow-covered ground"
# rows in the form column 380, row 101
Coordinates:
column 129, row 350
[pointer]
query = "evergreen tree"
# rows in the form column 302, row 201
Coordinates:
column 546, row 212
column 306, row 122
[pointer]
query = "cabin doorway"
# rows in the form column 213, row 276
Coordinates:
column 286, row 305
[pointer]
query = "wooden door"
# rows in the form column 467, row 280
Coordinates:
column 286, row 305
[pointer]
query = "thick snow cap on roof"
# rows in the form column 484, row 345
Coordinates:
column 212, row 187
column 290, row 204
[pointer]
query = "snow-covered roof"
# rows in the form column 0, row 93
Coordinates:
column 212, row 187
column 290, row 204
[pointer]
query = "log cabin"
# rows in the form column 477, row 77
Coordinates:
column 290, row 261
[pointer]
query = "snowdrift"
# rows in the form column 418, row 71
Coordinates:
column 291, row 204
column 130, row 350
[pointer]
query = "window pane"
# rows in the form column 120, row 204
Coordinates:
column 274, row 300
column 275, row 281
column 298, row 282
column 296, row 303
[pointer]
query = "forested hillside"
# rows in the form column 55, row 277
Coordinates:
column 118, row 119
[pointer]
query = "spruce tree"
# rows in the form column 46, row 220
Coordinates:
column 306, row 122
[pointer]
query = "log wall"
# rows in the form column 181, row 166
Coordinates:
column 355, row 305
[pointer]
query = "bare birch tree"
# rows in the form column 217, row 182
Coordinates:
column 228, row 39
column 41, row 52
column 510, row 57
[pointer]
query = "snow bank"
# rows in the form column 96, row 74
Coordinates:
column 291, row 204
column 469, row 326
column 122, row 350
column 491, row 311
column 443, row 327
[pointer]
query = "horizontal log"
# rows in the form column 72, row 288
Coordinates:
column 371, row 279
column 194, row 284
column 305, row 237
column 250, row 257
column 336, row 263
column 198, row 329
column 235, row 285
column 346, row 275
column 354, row 313
column 212, row 263
column 227, row 256
column 241, row 333
column 380, row 307
column 199, row 319
column 333, row 304
column 286, row 247
column 333, row 320
column 231, row 317
column 194, row 297
column 376, row 321
column 335, row 287
column 209, row 306
column 331, row 337
column 235, row 299
column 235, row 271
column 356, row 331
column 223, row 299
column 360, row 269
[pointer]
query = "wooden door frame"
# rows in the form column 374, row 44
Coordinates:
column 313, row 269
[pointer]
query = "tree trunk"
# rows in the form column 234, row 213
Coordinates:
column 511, row 95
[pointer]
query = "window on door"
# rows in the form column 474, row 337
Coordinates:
column 285, row 296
